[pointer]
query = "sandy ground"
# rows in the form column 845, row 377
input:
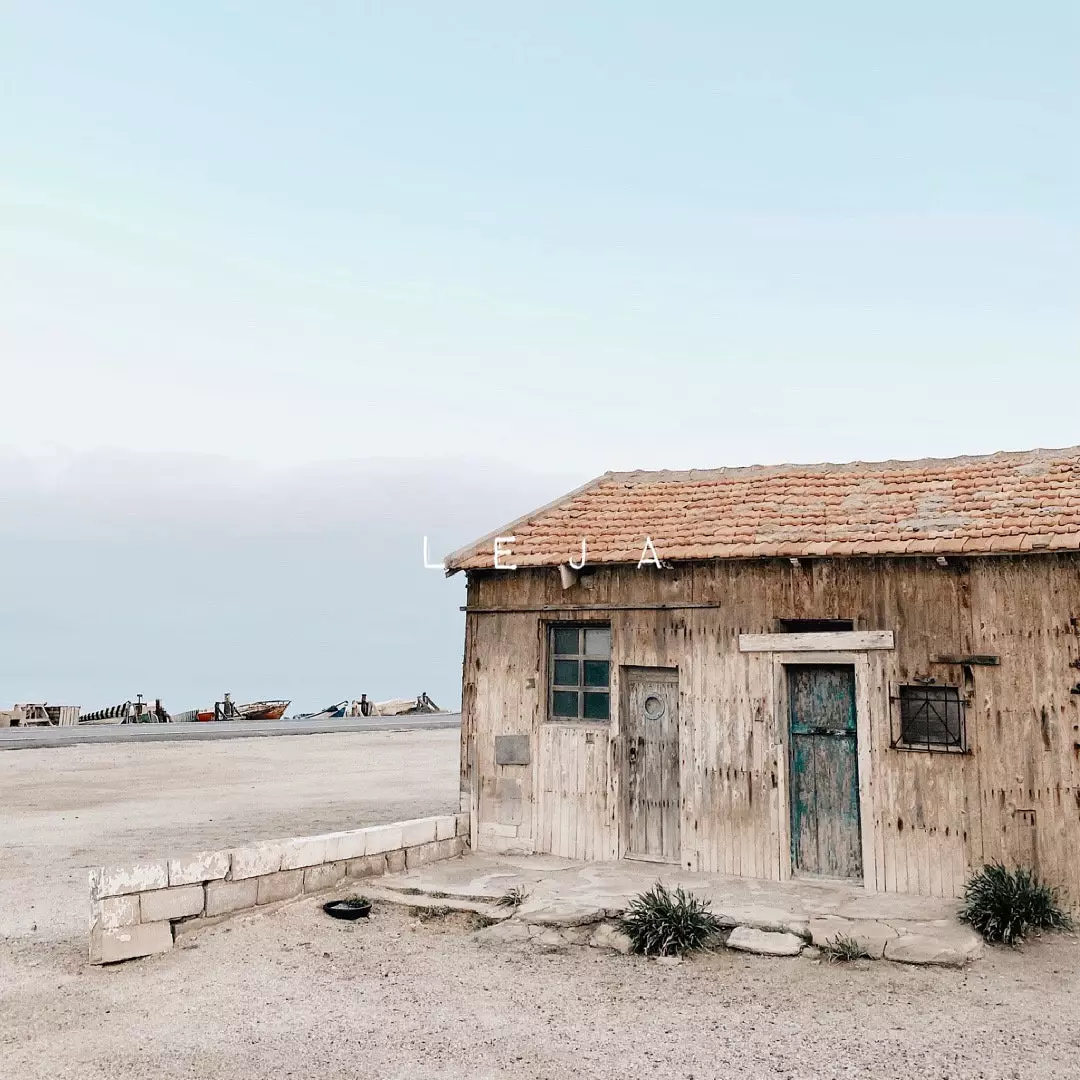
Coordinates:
column 65, row 809
column 290, row 993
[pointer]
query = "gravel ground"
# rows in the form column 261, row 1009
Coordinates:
column 288, row 992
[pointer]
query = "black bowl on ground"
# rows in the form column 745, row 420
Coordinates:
column 348, row 908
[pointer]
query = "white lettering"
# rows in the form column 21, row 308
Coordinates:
column 580, row 565
column 431, row 565
column 655, row 560
column 499, row 550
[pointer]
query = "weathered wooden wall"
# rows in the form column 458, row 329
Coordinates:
column 1015, row 796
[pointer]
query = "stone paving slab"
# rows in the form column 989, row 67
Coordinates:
column 563, row 893
column 918, row 948
column 871, row 934
column 764, row 942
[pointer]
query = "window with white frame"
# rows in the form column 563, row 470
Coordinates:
column 579, row 675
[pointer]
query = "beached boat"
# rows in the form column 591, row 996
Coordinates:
column 331, row 712
column 261, row 710
column 363, row 707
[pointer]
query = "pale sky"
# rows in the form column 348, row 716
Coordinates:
column 558, row 239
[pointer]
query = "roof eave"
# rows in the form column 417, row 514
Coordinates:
column 451, row 562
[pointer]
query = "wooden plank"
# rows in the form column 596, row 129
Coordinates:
column 543, row 791
column 634, row 769
column 841, row 641
column 864, row 758
column 587, row 800
column 653, row 782
column 560, row 608
column 779, row 712
column 568, row 751
column 668, row 748
column 614, row 821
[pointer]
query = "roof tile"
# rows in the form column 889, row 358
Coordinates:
column 1003, row 502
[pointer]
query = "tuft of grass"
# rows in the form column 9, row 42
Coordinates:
column 434, row 911
column 514, row 897
column 843, row 949
column 1004, row 905
column 661, row 922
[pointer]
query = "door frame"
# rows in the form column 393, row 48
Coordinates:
column 863, row 728
column 626, row 673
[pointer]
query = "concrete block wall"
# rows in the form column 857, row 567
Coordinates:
column 138, row 910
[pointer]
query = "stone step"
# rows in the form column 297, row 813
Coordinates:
column 764, row 942
column 424, row 902
column 950, row 944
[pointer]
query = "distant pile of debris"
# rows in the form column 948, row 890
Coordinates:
column 363, row 707
column 404, row 706
column 31, row 714
column 142, row 712
column 130, row 712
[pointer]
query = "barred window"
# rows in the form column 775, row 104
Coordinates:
column 580, row 672
column 932, row 718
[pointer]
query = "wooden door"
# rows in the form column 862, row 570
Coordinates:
column 826, row 836
column 650, row 727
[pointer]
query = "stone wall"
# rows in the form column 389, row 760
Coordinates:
column 138, row 910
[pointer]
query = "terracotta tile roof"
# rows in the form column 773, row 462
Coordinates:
column 971, row 505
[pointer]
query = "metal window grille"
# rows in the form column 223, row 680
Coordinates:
column 932, row 718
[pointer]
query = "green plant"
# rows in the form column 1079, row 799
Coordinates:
column 514, row 897
column 433, row 911
column 843, row 949
column 660, row 922
column 1003, row 905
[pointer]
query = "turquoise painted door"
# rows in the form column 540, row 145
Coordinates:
column 826, row 837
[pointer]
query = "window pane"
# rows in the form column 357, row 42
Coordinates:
column 564, row 703
column 566, row 673
column 596, row 673
column 596, row 706
column 598, row 642
column 566, row 640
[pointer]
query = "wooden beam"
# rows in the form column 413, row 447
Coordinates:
column 839, row 641
column 980, row 660
column 582, row 607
